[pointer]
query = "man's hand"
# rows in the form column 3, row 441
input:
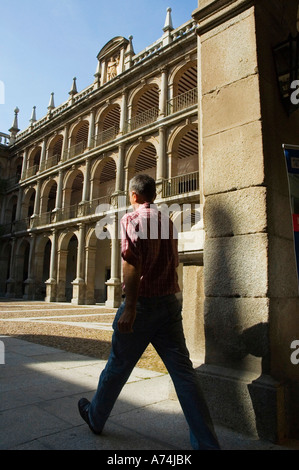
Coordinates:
column 131, row 281
column 126, row 320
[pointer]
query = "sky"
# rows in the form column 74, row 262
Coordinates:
column 44, row 44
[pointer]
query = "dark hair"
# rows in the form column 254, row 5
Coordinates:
column 143, row 185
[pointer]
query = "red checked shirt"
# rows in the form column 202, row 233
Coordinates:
column 149, row 241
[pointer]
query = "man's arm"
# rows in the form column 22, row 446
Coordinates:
column 131, row 281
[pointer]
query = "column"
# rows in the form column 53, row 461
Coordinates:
column 79, row 283
column 24, row 165
column 123, row 113
column 86, row 182
column 114, row 283
column 163, row 94
column 43, row 155
column 119, row 184
column 19, row 204
column 10, row 292
column 103, row 76
column 29, row 282
column 161, row 160
column 250, row 282
column 91, row 129
column 37, row 200
column 65, row 144
column 51, row 282
column 58, row 203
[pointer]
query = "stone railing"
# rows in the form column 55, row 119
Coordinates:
column 181, row 184
column 106, row 136
column 182, row 101
column 142, row 119
column 74, row 150
column 49, row 163
column 4, row 138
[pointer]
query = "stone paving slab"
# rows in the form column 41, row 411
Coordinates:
column 39, row 390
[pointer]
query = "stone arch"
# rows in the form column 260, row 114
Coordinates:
column 183, row 149
column 103, row 177
column 142, row 159
column 28, row 203
column 21, row 269
column 48, row 196
column 42, row 265
column 67, row 262
column 79, row 135
column 5, row 260
column 34, row 157
column 107, row 124
column 73, row 188
column 98, row 265
column 144, row 106
column 55, row 147
column 11, row 209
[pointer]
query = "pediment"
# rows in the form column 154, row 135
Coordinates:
column 113, row 47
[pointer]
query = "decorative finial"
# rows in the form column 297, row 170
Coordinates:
column 74, row 88
column 33, row 115
column 14, row 128
column 168, row 26
column 51, row 103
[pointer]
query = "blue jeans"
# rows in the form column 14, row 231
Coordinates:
column 158, row 321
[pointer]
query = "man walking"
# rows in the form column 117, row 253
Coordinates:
column 151, row 313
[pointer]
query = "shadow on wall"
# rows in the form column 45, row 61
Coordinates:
column 234, row 377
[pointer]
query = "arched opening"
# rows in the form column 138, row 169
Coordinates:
column 11, row 210
column 71, row 265
column 108, row 125
column 77, row 188
column 146, row 161
column 79, row 139
column 52, row 197
column 184, row 88
column 46, row 268
column 145, row 107
column 98, row 268
column 103, row 180
column 31, row 205
column 55, row 151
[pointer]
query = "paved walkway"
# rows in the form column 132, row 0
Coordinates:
column 39, row 390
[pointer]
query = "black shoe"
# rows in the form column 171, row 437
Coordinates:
column 83, row 405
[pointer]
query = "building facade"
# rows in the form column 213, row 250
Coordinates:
column 67, row 174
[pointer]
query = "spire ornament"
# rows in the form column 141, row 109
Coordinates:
column 51, row 103
column 33, row 115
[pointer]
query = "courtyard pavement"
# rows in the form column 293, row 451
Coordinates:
column 39, row 390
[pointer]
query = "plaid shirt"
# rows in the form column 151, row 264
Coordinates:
column 149, row 241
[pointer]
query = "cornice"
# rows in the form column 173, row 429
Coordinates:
column 212, row 13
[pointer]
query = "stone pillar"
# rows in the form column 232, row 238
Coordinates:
column 123, row 113
column 161, row 161
column 86, row 182
column 61, row 272
column 251, row 292
column 51, row 282
column 30, row 281
column 19, row 204
column 91, row 129
column 114, row 283
column 119, row 184
column 11, row 283
column 43, row 155
column 163, row 94
column 37, row 200
column 24, row 164
column 79, row 283
column 58, row 202
column 65, row 144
